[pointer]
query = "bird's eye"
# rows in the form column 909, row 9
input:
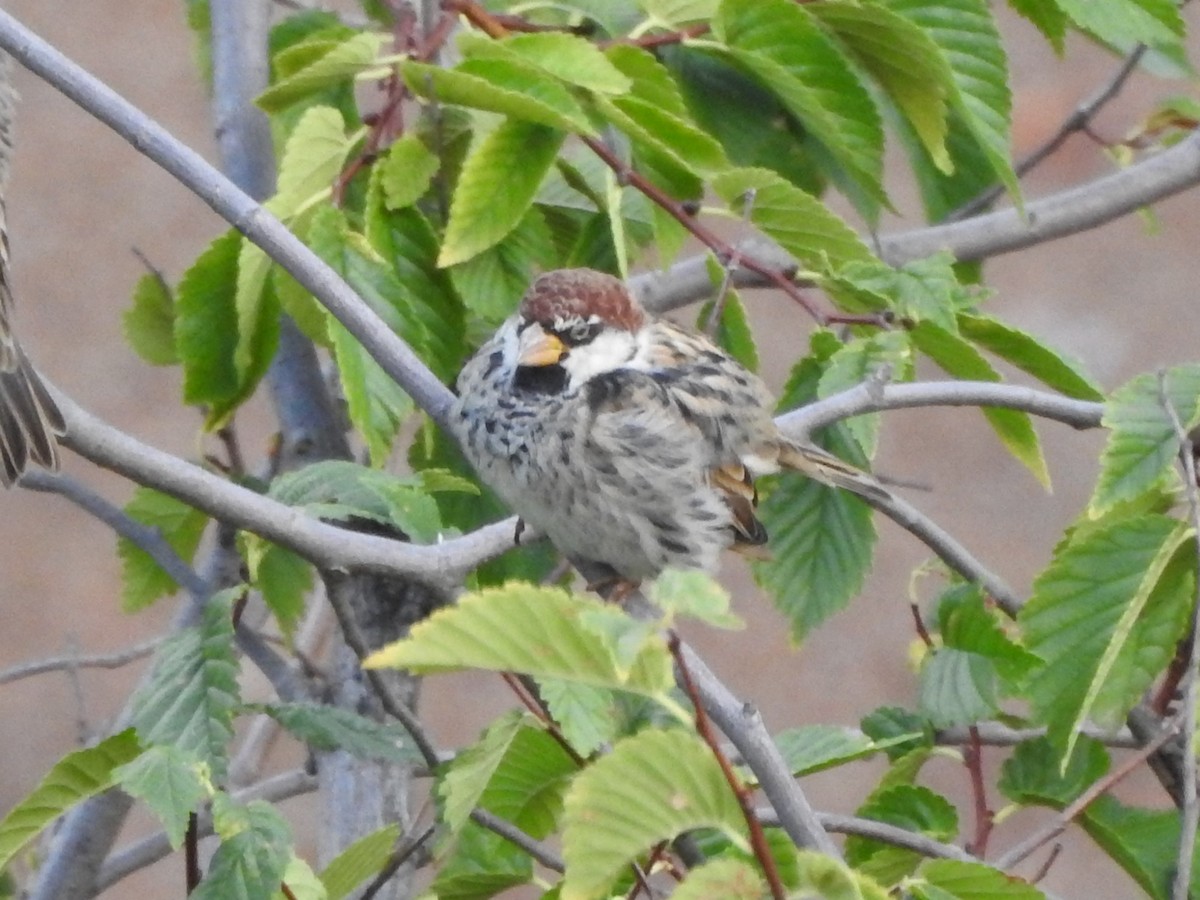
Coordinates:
column 581, row 332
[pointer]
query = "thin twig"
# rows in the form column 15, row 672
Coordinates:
column 1079, row 120
column 758, row 839
column 191, row 854
column 1080, row 803
column 1190, row 813
column 973, row 760
column 60, row 663
column 398, row 858
column 731, row 265
column 519, row 838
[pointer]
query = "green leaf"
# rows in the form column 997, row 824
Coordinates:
column 181, row 526
column 859, row 360
column 957, row 880
column 694, row 593
column 1048, row 18
column 190, row 697
column 206, row 325
column 676, row 13
column 649, row 126
column 970, row 44
column 1034, row 774
column 468, row 776
column 149, row 324
column 1144, row 843
column 566, row 57
column 914, row 808
column 1091, row 617
column 782, row 44
column 528, row 785
column 481, row 865
column 406, row 171
column 956, row 688
column 493, row 282
column 1142, row 444
column 826, row 877
column 650, row 788
column 171, row 782
column 496, row 188
column 281, row 576
column 814, row 748
column 903, row 60
column 960, row 359
column 729, row 879
column 802, row 225
column 333, row 728
column 822, row 539
column 733, row 330
column 256, row 846
column 899, row 731
column 501, row 86
column 363, row 859
column 74, row 778
column 1029, row 355
column 1125, row 24
column 340, row 63
column 539, row 631
column 966, row 623
column 586, row 715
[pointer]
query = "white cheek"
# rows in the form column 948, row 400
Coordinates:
column 610, row 350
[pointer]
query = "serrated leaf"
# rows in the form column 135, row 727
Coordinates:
column 468, row 776
column 822, row 539
column 966, row 623
column 567, row 57
column 650, row 788
column 1048, row 18
column 675, row 13
column 694, row 593
column 500, row 86
column 649, row 78
column 254, row 852
column 1125, row 24
column 782, row 44
column 1143, row 842
column 958, row 880
column 340, row 63
column 832, row 879
column 527, row 786
column 956, row 688
column 333, row 728
column 1029, row 355
column 496, row 188
column 206, row 325
column 539, row 631
column 1142, row 444
column 406, row 171
column 149, row 323
column 586, row 715
column 493, row 282
column 959, row 358
column 192, row 692
column 903, row 60
column 814, row 748
column 481, row 865
column 74, row 778
column 900, row 730
column 142, row 579
column 970, row 43
column 648, row 125
column 1087, row 618
column 800, row 223
column 733, row 330
column 171, row 782
column 908, row 806
column 1034, row 774
column 859, row 360
column 282, row 577
column 361, row 860
column 729, row 879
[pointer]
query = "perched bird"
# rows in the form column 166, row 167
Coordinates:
column 627, row 440
column 29, row 421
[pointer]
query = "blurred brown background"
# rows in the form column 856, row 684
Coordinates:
column 1121, row 299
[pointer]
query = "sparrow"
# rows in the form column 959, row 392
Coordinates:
column 30, row 422
column 630, row 442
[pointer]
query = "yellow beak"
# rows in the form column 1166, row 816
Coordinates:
column 538, row 347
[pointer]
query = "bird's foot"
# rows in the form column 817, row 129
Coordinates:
column 614, row 589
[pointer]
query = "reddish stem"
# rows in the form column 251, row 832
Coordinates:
column 984, row 817
column 758, row 838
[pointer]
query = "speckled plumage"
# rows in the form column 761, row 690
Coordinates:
column 636, row 445
column 29, row 420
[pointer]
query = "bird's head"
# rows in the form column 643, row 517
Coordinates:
column 579, row 320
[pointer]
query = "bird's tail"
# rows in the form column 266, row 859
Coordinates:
column 815, row 463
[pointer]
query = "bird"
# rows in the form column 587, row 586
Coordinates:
column 30, row 421
column 632, row 443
